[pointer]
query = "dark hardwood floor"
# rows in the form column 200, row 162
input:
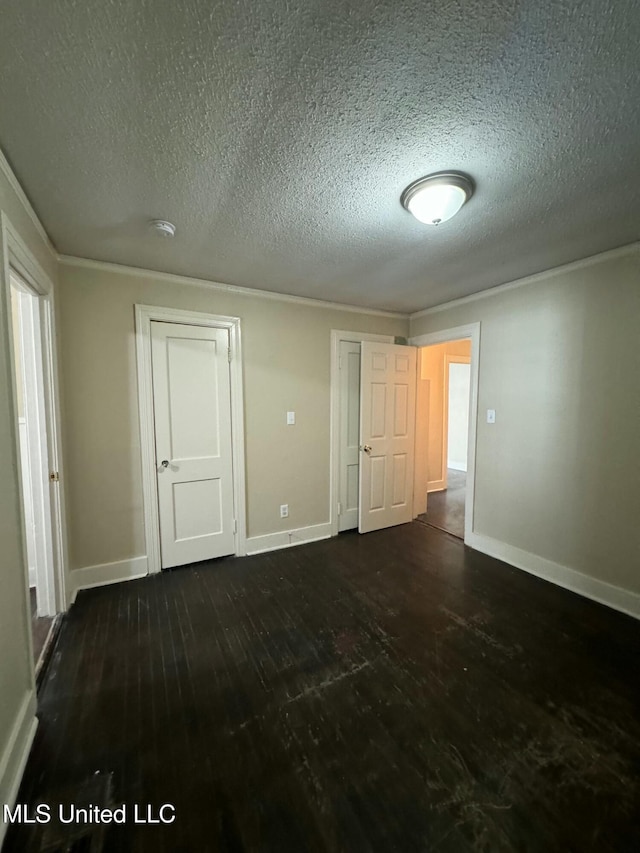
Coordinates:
column 387, row 692
column 40, row 628
column 445, row 509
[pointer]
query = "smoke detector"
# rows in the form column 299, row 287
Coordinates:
column 162, row 228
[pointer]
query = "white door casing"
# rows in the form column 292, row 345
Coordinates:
column 144, row 316
column 192, row 409
column 349, row 366
column 387, row 435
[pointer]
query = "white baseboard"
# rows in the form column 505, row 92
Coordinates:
column 605, row 593
column 287, row 538
column 90, row 576
column 15, row 754
column 436, row 486
column 457, row 466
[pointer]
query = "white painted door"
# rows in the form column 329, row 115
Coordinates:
column 387, row 435
column 349, row 363
column 192, row 411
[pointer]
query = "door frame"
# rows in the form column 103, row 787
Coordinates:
column 144, row 315
column 472, row 332
column 48, row 494
column 337, row 336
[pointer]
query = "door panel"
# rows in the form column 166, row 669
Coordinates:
column 197, row 509
column 387, row 406
column 377, row 482
column 192, row 411
column 400, row 425
column 399, row 489
column 190, row 363
column 349, row 465
column 378, row 410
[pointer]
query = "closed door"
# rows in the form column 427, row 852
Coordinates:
column 349, row 364
column 192, row 412
column 387, row 435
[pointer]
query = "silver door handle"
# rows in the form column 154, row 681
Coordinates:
column 366, row 448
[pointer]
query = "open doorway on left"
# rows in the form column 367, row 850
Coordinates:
column 34, row 468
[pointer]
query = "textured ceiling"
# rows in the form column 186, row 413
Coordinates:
column 278, row 135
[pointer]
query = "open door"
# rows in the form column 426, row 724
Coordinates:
column 387, row 435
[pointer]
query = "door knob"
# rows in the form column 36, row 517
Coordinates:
column 366, row 448
column 165, row 463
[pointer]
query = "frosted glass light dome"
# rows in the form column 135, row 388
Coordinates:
column 438, row 197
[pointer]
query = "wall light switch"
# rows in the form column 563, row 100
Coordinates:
column 491, row 416
column 291, row 418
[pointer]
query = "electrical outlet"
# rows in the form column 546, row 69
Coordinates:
column 291, row 418
column 284, row 511
column 491, row 416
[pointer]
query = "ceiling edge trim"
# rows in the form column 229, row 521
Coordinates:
column 572, row 266
column 16, row 186
column 105, row 266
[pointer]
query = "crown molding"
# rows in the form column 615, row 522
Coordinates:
column 610, row 254
column 104, row 266
column 15, row 185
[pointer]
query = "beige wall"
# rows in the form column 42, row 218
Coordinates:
column 433, row 369
column 286, row 367
column 16, row 671
column 557, row 475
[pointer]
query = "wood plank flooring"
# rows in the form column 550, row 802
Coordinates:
column 445, row 509
column 40, row 627
column 387, row 692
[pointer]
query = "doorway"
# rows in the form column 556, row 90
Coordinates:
column 192, row 435
column 192, row 424
column 446, row 373
column 373, row 399
column 345, row 382
column 34, row 461
column 446, row 437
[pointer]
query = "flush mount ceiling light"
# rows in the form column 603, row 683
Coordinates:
column 437, row 197
column 162, row 228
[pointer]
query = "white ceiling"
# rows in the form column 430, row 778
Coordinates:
column 278, row 136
